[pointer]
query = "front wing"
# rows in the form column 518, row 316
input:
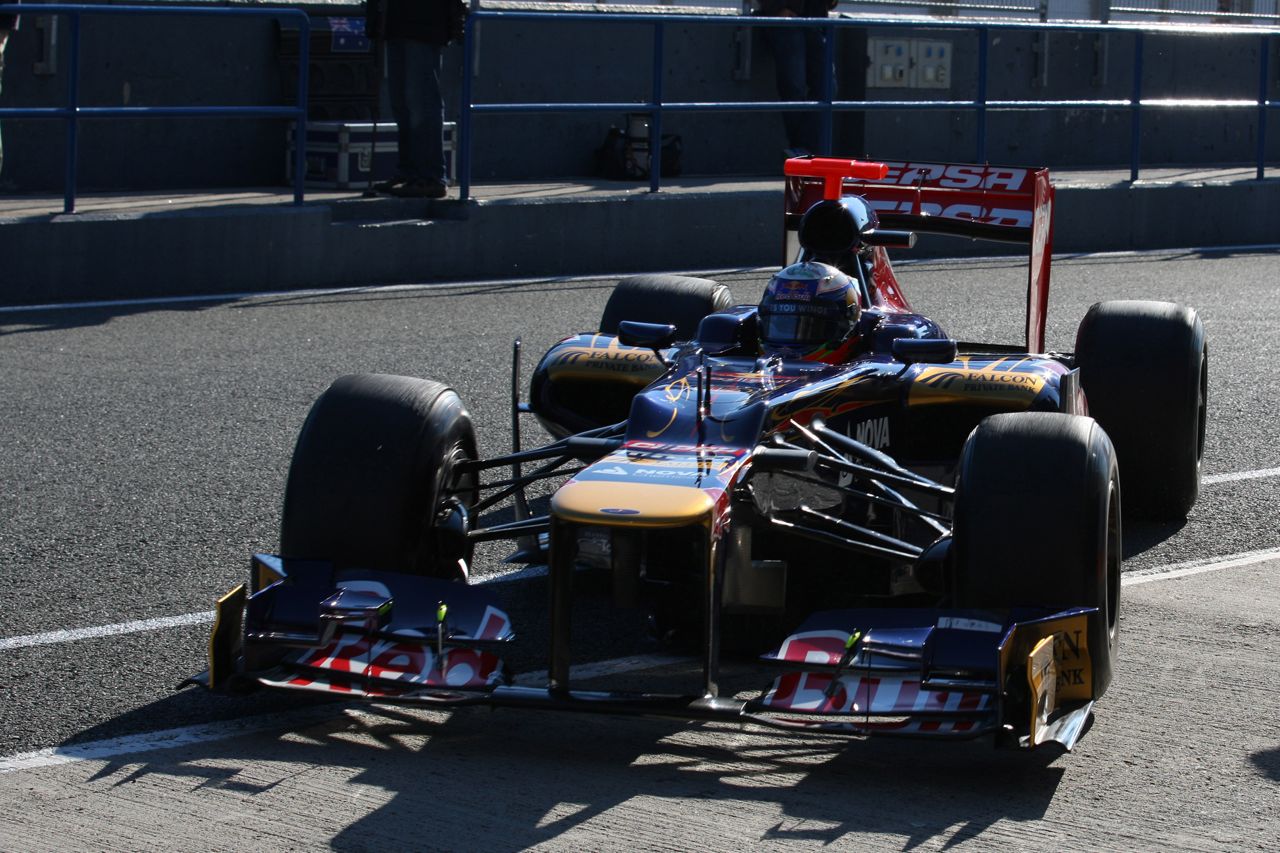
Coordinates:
column 1023, row 676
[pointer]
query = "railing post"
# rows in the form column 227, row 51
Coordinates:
column 655, row 117
column 300, row 123
column 982, row 94
column 73, row 119
column 1135, row 109
column 464, row 111
column 828, row 87
column 1264, row 57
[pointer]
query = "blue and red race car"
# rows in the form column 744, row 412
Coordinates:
column 906, row 533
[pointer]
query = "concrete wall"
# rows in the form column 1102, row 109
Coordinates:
column 170, row 61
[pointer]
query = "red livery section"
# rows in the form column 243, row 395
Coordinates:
column 879, row 695
column 1005, row 203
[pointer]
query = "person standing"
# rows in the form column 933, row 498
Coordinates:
column 414, row 34
column 798, row 65
column 8, row 23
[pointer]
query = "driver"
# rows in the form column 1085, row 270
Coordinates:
column 810, row 310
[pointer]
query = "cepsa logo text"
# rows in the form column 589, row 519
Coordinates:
column 953, row 176
column 1009, row 217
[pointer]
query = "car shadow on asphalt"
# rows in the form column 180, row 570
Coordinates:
column 25, row 322
column 507, row 780
column 1142, row 536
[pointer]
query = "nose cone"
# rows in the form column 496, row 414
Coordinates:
column 632, row 504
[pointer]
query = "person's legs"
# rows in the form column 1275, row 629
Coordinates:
column 396, row 81
column 788, row 49
column 815, row 42
column 423, row 130
column 1, row 137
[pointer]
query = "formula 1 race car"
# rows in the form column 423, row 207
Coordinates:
column 907, row 534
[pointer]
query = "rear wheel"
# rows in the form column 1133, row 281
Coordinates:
column 1144, row 367
column 1037, row 522
column 679, row 300
column 374, row 479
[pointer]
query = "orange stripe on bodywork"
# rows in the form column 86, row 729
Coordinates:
column 631, row 504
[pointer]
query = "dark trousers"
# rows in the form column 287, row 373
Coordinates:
column 413, row 88
column 797, row 60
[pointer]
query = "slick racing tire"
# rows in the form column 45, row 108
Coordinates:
column 371, row 484
column 1037, row 522
column 675, row 299
column 1144, row 368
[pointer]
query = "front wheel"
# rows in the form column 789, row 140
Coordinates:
column 1037, row 523
column 374, row 482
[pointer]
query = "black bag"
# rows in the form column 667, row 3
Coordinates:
column 622, row 158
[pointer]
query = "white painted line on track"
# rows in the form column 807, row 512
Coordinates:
column 105, row 630
column 1259, row 474
column 1198, row 567
column 203, row 618
column 103, row 750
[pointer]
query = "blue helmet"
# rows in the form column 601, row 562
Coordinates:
column 809, row 310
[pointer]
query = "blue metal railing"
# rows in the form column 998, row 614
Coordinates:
column 73, row 112
column 980, row 105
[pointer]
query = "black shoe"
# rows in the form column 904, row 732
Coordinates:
column 420, row 189
column 390, row 185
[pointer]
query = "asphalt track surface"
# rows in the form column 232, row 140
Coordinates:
column 145, row 450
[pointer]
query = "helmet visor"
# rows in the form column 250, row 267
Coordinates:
column 802, row 330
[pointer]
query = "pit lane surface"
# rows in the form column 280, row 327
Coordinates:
column 145, row 452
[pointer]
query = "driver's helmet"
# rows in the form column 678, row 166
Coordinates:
column 810, row 310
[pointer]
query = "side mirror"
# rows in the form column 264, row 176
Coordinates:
column 633, row 333
column 925, row 350
column 890, row 239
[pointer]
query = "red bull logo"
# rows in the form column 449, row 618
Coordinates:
column 790, row 289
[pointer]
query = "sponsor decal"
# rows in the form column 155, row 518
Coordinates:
column 611, row 357
column 789, row 289
column 801, row 308
column 886, row 693
column 696, row 468
column 1075, row 667
column 1009, row 217
column 955, row 623
column 1014, row 388
column 958, row 176
column 412, row 664
column 873, row 432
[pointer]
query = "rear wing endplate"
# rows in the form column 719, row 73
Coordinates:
column 982, row 202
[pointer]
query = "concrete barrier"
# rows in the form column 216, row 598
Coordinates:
column 120, row 248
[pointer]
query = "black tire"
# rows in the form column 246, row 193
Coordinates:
column 1037, row 522
column 676, row 299
column 1144, row 367
column 371, row 473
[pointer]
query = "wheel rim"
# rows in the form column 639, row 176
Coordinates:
column 1114, row 556
column 1202, row 406
column 450, row 517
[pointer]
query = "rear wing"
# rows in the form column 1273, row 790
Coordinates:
column 982, row 202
